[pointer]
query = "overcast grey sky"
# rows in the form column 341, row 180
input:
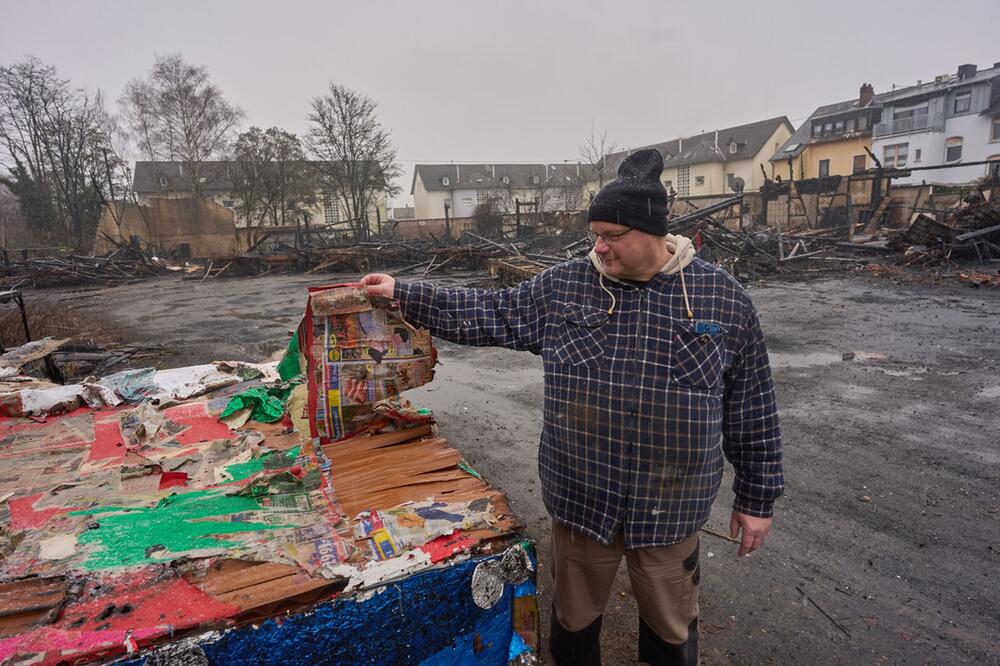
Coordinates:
column 515, row 81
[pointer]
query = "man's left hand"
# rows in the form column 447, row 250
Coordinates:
column 754, row 531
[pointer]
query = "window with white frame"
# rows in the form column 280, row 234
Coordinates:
column 331, row 212
column 895, row 155
column 917, row 154
column 824, row 168
column 684, row 180
column 699, row 181
column 963, row 102
column 953, row 149
column 466, row 201
column 482, row 196
column 733, row 147
column 995, row 132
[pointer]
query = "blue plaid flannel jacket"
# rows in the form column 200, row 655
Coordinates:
column 641, row 404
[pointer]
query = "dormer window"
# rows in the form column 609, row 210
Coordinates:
column 505, row 180
column 163, row 181
column 535, row 180
column 733, row 147
column 445, row 181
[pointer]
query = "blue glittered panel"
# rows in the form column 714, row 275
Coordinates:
column 430, row 616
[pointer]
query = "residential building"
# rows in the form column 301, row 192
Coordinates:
column 709, row 163
column 168, row 180
column 832, row 141
column 461, row 188
column 951, row 120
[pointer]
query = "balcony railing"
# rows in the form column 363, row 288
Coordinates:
column 930, row 122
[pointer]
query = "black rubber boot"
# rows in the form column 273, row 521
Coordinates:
column 575, row 648
column 655, row 651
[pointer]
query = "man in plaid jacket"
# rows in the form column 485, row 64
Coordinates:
column 655, row 369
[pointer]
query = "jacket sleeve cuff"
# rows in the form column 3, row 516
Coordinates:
column 754, row 507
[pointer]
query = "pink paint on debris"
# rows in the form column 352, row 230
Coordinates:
column 108, row 444
column 202, row 426
column 445, row 546
column 23, row 515
column 171, row 479
column 142, row 606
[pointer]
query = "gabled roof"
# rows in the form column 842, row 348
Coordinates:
column 802, row 137
column 153, row 177
column 934, row 88
column 150, row 177
column 491, row 176
column 701, row 148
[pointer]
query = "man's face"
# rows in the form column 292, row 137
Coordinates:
column 627, row 254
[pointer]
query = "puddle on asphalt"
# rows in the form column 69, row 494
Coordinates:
column 990, row 392
column 781, row 360
column 810, row 360
column 908, row 373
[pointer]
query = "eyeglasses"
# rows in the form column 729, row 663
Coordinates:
column 607, row 238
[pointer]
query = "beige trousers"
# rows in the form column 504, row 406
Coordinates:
column 664, row 581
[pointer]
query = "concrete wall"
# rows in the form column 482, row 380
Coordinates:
column 428, row 205
column 426, row 229
column 316, row 212
column 205, row 226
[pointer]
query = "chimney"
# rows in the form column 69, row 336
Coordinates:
column 966, row 72
column 996, row 65
column 716, row 140
column 866, row 95
column 458, row 173
column 493, row 168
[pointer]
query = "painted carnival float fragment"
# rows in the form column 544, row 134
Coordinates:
column 232, row 513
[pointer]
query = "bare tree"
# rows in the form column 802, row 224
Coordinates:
column 121, row 194
column 53, row 137
column 289, row 188
column 271, row 181
column 352, row 150
column 594, row 152
column 177, row 114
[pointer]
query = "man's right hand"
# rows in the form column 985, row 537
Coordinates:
column 379, row 284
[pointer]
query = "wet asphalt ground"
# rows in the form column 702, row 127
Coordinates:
column 886, row 545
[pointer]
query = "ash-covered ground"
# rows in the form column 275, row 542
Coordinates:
column 891, row 517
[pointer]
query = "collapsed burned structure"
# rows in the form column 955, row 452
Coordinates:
column 219, row 513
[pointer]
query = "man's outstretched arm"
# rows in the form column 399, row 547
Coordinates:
column 512, row 318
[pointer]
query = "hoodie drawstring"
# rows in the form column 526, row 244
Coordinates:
column 687, row 303
column 614, row 301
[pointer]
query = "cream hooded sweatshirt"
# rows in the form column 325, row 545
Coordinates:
column 681, row 254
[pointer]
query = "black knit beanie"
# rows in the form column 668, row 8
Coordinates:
column 636, row 198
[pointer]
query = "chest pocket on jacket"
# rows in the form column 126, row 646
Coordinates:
column 697, row 360
column 579, row 335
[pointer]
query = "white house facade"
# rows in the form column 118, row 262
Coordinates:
column 953, row 120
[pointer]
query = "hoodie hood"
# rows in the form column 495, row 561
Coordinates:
column 682, row 254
